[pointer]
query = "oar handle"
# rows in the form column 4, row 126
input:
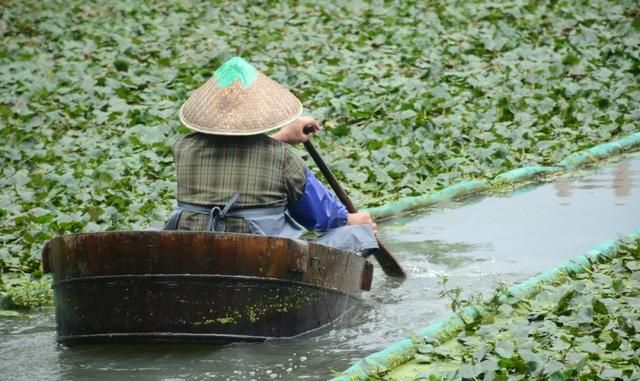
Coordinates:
column 331, row 179
column 388, row 263
column 342, row 195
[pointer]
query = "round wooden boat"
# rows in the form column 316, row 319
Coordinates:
column 150, row 286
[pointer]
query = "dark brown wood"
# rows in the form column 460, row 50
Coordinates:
column 389, row 264
column 46, row 267
column 197, row 286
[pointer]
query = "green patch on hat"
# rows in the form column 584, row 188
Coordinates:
column 236, row 69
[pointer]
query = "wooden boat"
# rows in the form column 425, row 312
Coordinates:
column 151, row 286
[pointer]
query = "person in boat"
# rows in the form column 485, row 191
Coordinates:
column 233, row 177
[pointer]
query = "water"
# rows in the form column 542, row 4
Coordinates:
column 477, row 244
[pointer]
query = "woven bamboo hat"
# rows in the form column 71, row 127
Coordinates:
column 239, row 100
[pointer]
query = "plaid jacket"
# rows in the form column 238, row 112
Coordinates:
column 211, row 169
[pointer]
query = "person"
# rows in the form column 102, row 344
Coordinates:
column 233, row 177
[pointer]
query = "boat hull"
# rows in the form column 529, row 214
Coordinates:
column 154, row 286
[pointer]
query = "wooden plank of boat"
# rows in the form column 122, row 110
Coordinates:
column 149, row 286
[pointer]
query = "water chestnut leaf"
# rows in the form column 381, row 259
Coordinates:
column 406, row 114
column 504, row 348
column 121, row 65
column 599, row 307
column 590, row 347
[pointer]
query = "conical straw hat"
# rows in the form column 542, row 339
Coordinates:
column 239, row 100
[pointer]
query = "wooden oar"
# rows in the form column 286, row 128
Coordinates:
column 388, row 263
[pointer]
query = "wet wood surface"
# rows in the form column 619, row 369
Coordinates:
column 197, row 286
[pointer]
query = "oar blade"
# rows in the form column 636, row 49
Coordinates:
column 388, row 263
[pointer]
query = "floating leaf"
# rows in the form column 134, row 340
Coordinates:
column 121, row 65
column 505, row 348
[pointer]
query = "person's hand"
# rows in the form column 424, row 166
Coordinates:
column 361, row 218
column 294, row 133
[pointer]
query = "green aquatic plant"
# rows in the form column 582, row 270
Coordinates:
column 26, row 291
column 414, row 96
column 453, row 294
column 587, row 328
